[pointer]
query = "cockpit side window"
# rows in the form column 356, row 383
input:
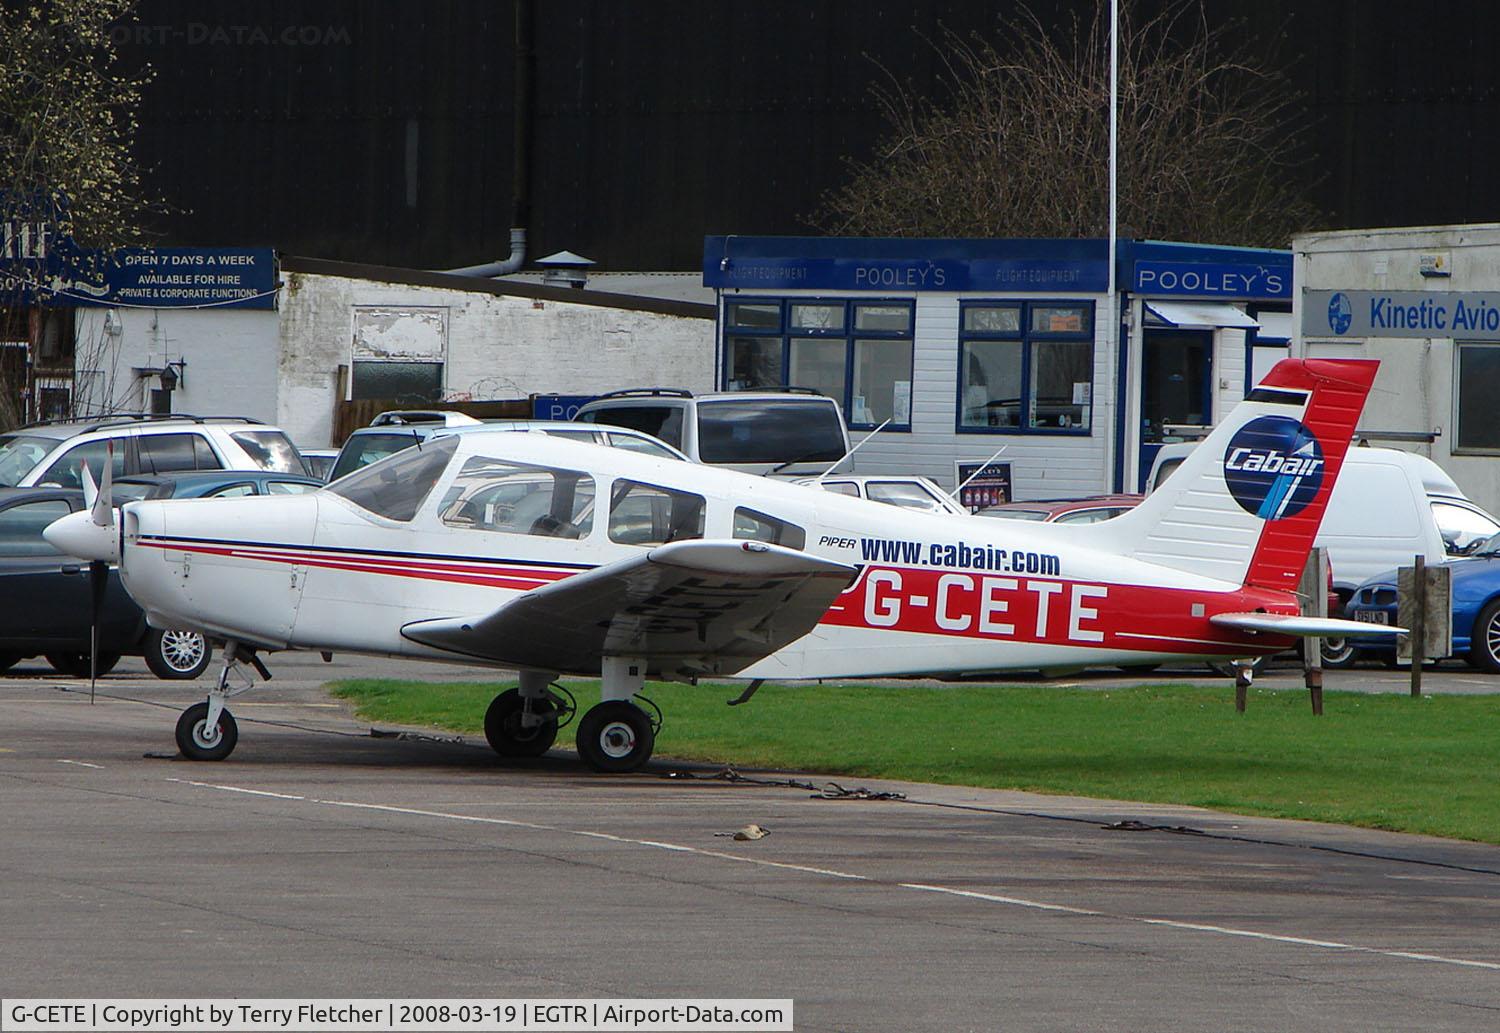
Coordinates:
column 512, row 498
column 645, row 514
column 396, row 487
column 761, row 527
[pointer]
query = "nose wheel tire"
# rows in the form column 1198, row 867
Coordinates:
column 506, row 733
column 199, row 741
column 174, row 654
column 615, row 736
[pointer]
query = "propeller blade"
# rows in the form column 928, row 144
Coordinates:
column 102, row 508
column 90, row 489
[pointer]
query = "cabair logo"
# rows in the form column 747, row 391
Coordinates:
column 1340, row 314
column 1274, row 467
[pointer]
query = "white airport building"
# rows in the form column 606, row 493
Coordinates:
column 1425, row 301
column 966, row 348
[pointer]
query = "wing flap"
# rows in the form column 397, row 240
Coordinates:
column 1316, row 627
column 687, row 608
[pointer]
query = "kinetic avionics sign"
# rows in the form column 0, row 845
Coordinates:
column 1468, row 315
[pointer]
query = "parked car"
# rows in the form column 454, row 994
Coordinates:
column 919, row 493
column 1475, row 584
column 202, row 484
column 382, row 438
column 319, row 461
column 44, row 600
column 1087, row 510
column 787, row 432
column 50, row 454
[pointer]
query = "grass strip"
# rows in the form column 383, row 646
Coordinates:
column 1429, row 765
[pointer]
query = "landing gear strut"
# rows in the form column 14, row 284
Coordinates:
column 207, row 731
column 616, row 735
column 523, row 722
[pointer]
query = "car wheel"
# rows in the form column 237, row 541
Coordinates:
column 76, row 665
column 175, row 654
column 1484, row 643
column 1338, row 653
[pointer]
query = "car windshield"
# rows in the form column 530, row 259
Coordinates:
column 363, row 449
column 906, row 494
column 770, row 430
column 396, row 486
column 1489, row 547
column 19, row 455
column 271, row 450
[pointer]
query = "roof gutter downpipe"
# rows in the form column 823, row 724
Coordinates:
column 521, row 175
column 505, row 268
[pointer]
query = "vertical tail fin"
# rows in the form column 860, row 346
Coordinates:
column 1245, row 506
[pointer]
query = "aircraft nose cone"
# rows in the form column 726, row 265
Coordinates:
column 77, row 535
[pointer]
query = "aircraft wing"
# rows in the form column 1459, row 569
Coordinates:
column 1288, row 624
column 686, row 608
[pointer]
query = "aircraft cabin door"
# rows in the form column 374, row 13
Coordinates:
column 1176, row 387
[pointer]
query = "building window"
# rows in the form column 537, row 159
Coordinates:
column 1477, row 418
column 398, row 353
column 857, row 352
column 1025, row 367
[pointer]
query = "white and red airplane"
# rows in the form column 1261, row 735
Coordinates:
column 553, row 557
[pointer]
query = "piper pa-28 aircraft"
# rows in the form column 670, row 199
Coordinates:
column 554, row 557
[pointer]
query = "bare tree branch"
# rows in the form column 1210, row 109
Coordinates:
column 1020, row 147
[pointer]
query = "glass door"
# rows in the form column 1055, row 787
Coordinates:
column 1176, row 387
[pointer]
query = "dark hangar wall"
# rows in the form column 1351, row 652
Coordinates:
column 382, row 132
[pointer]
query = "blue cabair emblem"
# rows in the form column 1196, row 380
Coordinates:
column 1274, row 467
column 1340, row 314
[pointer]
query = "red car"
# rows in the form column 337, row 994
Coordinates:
column 1088, row 510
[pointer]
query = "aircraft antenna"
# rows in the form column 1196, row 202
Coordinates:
column 979, row 471
column 853, row 450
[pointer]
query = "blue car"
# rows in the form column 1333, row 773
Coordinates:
column 1476, row 606
column 202, row 484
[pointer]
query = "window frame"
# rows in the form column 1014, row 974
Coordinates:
column 848, row 333
column 1027, row 338
column 1459, row 448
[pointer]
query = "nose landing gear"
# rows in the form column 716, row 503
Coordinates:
column 207, row 730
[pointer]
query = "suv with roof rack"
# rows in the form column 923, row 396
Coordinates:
column 51, row 453
column 792, row 431
column 393, row 431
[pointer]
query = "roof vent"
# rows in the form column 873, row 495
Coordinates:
column 565, row 269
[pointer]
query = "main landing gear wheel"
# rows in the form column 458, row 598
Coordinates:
column 174, row 654
column 616, row 736
column 199, row 741
column 509, row 736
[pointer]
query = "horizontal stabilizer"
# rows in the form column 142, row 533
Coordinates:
column 1315, row 627
column 687, row 608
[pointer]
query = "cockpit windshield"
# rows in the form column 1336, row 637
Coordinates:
column 396, row 487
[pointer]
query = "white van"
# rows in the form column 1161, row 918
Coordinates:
column 791, row 432
column 1387, row 507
